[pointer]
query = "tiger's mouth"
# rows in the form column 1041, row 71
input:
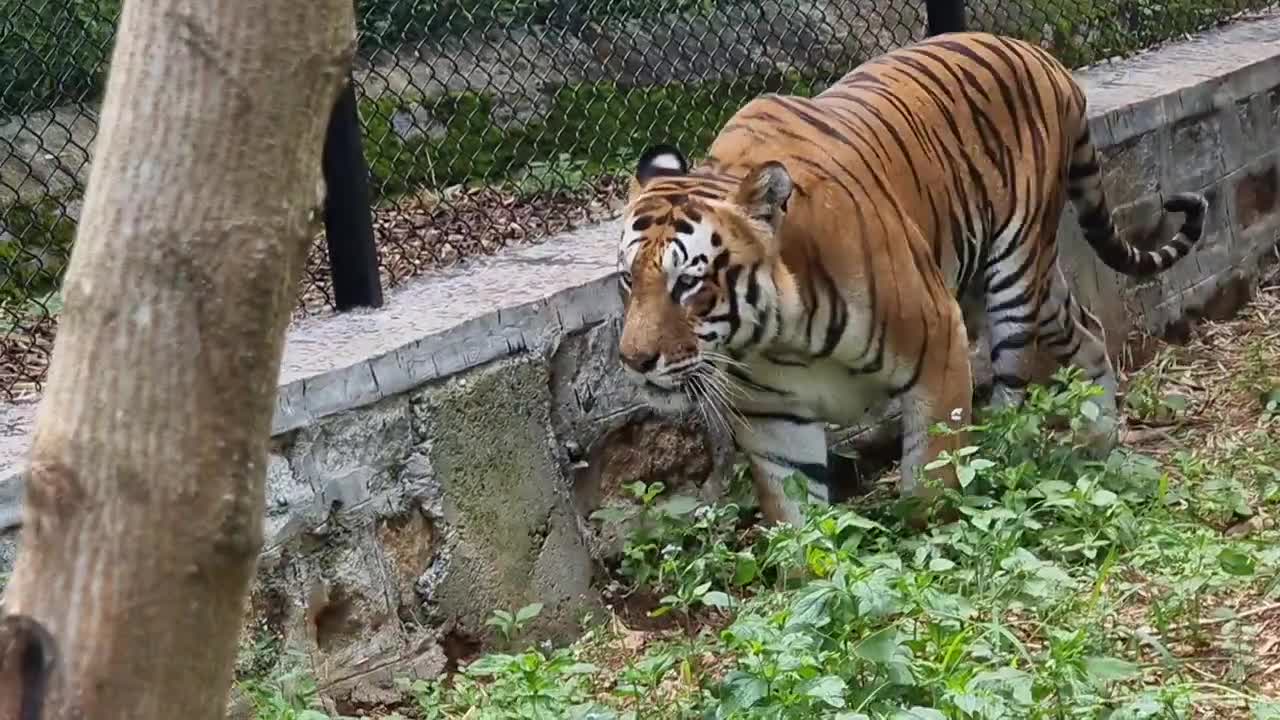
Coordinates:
column 676, row 398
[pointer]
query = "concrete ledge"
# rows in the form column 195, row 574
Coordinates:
column 524, row 300
column 439, row 457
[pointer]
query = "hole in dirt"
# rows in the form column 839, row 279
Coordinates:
column 335, row 619
column 634, row 610
column 459, row 648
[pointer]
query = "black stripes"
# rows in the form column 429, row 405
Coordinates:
column 1080, row 171
column 815, row 472
column 1084, row 188
column 780, row 417
column 919, row 363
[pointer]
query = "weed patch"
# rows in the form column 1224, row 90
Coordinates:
column 1142, row 585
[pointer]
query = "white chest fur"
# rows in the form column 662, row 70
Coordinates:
column 823, row 390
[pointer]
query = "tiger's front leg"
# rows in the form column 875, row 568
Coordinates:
column 779, row 448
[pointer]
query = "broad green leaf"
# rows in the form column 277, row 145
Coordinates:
column 1236, row 562
column 1103, row 497
column 591, row 711
column 811, row 607
column 1054, row 488
column 1110, row 669
column 499, row 617
column 717, row 599
column 490, row 664
column 1089, row 409
column 742, row 690
column 852, row 519
column 1017, row 682
column 528, row 612
column 828, row 689
column 976, row 705
column 679, row 505
column 745, row 568
column 941, row 565
column 796, row 488
column 879, row 646
column 918, row 713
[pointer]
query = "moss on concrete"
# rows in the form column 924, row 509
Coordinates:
column 506, row 506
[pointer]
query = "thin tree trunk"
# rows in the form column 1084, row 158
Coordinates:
column 143, row 511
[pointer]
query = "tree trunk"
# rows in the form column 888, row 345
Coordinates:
column 144, row 500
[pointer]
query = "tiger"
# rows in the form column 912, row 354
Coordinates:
column 829, row 255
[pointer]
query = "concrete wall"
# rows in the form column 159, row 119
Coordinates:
column 1204, row 115
column 438, row 458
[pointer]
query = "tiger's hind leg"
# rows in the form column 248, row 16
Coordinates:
column 1014, row 304
column 1076, row 337
column 1022, row 301
column 778, row 448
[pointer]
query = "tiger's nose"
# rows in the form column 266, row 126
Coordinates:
column 640, row 361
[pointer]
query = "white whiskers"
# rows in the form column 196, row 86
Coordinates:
column 714, row 391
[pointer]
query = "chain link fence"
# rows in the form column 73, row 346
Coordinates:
column 489, row 123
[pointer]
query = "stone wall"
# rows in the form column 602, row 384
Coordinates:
column 440, row 457
column 1203, row 114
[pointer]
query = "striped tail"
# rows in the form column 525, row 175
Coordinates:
column 1084, row 187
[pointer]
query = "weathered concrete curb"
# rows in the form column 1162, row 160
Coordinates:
column 437, row 458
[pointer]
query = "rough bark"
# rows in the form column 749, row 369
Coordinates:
column 143, row 512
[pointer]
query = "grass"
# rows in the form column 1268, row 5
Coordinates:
column 1146, row 585
column 589, row 130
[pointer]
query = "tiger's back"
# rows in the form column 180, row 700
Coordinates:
column 934, row 172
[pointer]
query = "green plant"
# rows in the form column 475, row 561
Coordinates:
column 289, row 694
column 588, row 130
column 258, row 654
column 33, row 256
column 511, row 624
column 1089, row 31
column 526, row 685
column 388, row 24
column 1147, row 399
column 680, row 548
column 1066, row 587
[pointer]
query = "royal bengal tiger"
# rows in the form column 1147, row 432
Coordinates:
column 813, row 266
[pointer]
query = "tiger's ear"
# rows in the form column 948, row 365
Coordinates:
column 658, row 161
column 764, row 192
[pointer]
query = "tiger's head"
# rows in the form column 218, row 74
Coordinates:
column 697, row 261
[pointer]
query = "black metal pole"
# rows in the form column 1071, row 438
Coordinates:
column 348, row 217
column 945, row 16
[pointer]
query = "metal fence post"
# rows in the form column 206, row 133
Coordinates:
column 348, row 217
column 945, row 16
